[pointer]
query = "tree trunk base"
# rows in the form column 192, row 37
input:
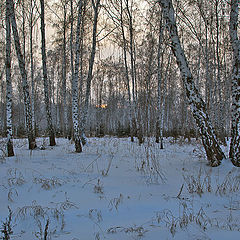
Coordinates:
column 52, row 140
column 236, row 162
column 161, row 144
column 10, row 149
column 140, row 139
column 234, row 153
column 78, row 146
column 31, row 143
column 214, row 155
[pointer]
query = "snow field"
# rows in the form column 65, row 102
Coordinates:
column 116, row 190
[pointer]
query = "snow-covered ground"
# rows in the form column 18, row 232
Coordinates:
column 118, row 190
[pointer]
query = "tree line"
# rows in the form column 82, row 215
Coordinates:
column 122, row 67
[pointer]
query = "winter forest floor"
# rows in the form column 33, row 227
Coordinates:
column 117, row 190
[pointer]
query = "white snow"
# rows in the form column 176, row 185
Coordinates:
column 117, row 190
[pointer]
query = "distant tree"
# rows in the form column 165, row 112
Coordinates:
column 64, row 70
column 32, row 22
column 45, row 79
column 121, row 13
column 124, row 40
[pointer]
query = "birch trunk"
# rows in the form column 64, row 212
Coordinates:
column 75, row 96
column 32, row 80
column 21, row 62
column 71, row 38
column 10, row 151
column 2, row 119
column 148, row 84
column 31, row 24
column 213, row 150
column 159, row 78
column 234, row 152
column 81, row 73
column 219, row 115
column 126, row 72
column 208, row 84
column 133, row 75
column 45, row 79
column 90, row 70
column 70, row 132
column 131, row 50
column 23, row 30
column 64, row 73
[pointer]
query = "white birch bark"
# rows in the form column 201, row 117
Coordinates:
column 71, row 38
column 21, row 62
column 75, row 96
column 32, row 80
column 2, row 101
column 213, row 150
column 81, row 73
column 90, row 70
column 234, row 152
column 10, row 151
column 64, row 73
column 32, row 21
column 23, row 30
column 45, row 79
column 70, row 132
column 159, row 90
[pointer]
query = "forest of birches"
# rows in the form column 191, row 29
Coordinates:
column 111, row 68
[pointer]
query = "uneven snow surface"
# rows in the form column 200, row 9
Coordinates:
column 117, row 190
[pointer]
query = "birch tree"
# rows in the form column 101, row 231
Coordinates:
column 212, row 148
column 64, row 72
column 45, row 79
column 2, row 96
column 95, row 5
column 75, row 95
column 22, row 67
column 23, row 29
column 129, row 10
column 126, row 68
column 10, row 151
column 234, row 153
column 159, row 133
column 32, row 21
